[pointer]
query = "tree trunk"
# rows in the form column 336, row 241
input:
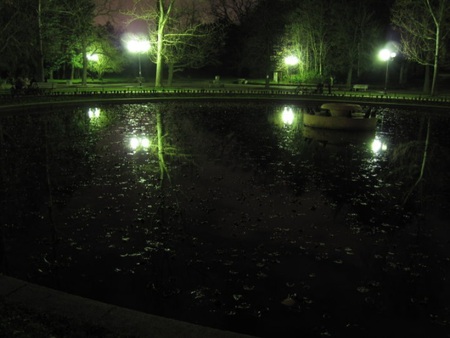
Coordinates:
column 170, row 75
column 426, row 82
column 41, row 75
column 403, row 73
column 85, row 65
column 163, row 15
column 159, row 65
column 349, row 77
column 436, row 60
column 72, row 72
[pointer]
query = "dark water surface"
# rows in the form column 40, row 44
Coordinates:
column 234, row 215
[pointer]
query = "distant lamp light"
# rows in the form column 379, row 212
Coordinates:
column 386, row 54
column 93, row 57
column 291, row 60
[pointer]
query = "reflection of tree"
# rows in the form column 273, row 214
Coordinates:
column 162, row 163
column 48, row 180
column 421, row 166
column 2, row 200
column 43, row 159
column 423, row 28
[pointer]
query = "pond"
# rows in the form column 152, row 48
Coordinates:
column 234, row 215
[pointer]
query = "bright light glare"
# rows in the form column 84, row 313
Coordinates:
column 134, row 143
column 139, row 142
column 378, row 146
column 386, row 54
column 94, row 113
column 291, row 60
column 138, row 45
column 287, row 116
column 145, row 142
column 93, row 57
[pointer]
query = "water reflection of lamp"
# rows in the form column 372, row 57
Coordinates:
column 377, row 145
column 94, row 113
column 139, row 142
column 287, row 116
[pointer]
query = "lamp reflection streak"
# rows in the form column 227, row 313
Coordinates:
column 136, row 143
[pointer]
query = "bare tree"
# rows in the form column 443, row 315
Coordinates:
column 156, row 14
column 17, row 36
column 232, row 11
column 423, row 25
column 177, row 28
column 307, row 35
column 353, row 31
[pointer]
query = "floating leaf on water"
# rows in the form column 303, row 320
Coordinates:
column 362, row 289
column 237, row 297
column 261, row 275
column 198, row 294
column 374, row 283
column 136, row 254
column 289, row 301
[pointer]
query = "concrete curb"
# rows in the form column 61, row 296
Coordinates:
column 116, row 319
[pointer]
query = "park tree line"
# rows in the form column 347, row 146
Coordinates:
column 243, row 38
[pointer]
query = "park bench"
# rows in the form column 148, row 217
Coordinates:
column 45, row 87
column 241, row 81
column 357, row 87
column 35, row 88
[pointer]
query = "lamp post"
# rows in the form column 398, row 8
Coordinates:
column 138, row 46
column 386, row 55
column 290, row 60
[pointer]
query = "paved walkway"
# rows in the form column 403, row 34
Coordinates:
column 116, row 319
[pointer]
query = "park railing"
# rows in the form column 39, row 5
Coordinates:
column 83, row 94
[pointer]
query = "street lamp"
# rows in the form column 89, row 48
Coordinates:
column 93, row 57
column 386, row 55
column 138, row 46
column 291, row 60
